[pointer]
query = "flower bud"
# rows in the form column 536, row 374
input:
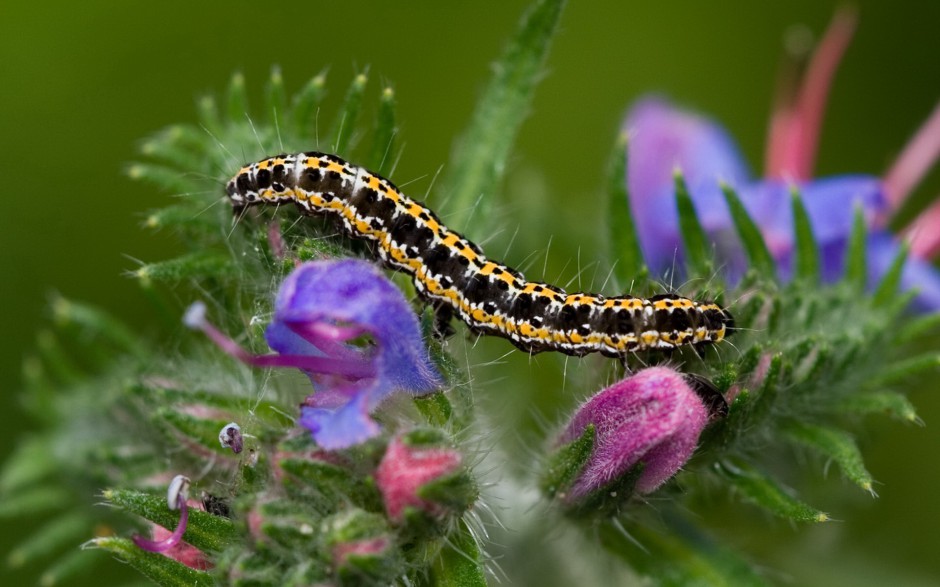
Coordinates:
column 361, row 547
column 634, row 435
column 419, row 473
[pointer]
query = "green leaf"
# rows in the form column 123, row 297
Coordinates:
column 856, row 272
column 205, row 531
column 73, row 563
column 624, row 244
column 764, row 491
column 345, row 122
column 478, row 159
column 838, row 446
column 890, row 283
column 34, row 501
column 918, row 326
column 383, row 145
column 807, row 251
column 200, row 265
column 904, row 369
column 30, row 462
column 694, row 240
column 305, row 105
column 162, row 570
column 162, row 176
column 98, row 323
column 677, row 555
column 275, row 101
column 751, row 240
column 208, row 112
column 236, row 100
column 460, row 563
column 64, row 530
column 887, row 402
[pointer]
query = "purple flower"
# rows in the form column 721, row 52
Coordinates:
column 664, row 139
column 653, row 417
column 322, row 310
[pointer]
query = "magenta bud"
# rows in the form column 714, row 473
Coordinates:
column 652, row 418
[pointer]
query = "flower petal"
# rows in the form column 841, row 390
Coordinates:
column 663, row 139
column 352, row 292
column 340, row 427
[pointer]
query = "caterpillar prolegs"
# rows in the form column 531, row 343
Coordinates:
column 454, row 275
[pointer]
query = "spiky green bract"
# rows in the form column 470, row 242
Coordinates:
column 480, row 154
column 283, row 511
column 625, row 253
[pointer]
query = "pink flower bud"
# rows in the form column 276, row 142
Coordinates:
column 653, row 417
column 405, row 469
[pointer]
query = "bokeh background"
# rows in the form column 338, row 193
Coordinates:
column 82, row 83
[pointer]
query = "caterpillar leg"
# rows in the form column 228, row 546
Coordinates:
column 442, row 318
column 712, row 398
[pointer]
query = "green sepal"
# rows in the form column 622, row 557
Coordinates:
column 807, row 250
column 345, row 122
column 287, row 522
column 205, row 531
column 478, row 160
column 856, row 271
column 383, row 142
column 353, row 526
column 162, row 570
column 763, row 491
column 695, row 242
column 751, row 240
column 435, row 408
column 567, row 461
column 305, row 104
column 54, row 535
column 836, row 445
column 624, row 243
column 326, row 483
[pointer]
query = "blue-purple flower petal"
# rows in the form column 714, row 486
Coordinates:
column 323, row 305
column 662, row 140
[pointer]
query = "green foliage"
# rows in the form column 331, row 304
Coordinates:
column 807, row 365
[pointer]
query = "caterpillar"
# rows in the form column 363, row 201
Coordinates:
column 453, row 274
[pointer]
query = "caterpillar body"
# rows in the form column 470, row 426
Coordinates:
column 454, row 275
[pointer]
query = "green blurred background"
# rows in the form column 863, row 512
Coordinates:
column 82, row 83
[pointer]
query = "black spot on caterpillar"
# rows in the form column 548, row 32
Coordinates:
column 452, row 273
